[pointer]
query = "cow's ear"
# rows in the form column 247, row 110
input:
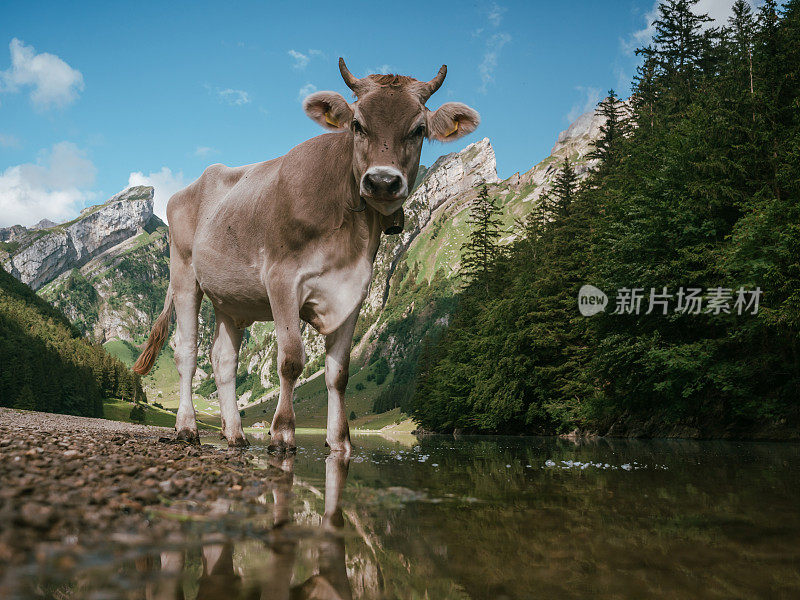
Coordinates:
column 452, row 121
column 329, row 109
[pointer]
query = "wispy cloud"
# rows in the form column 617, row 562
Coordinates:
column 203, row 151
column 54, row 187
column 231, row 96
column 489, row 63
column 52, row 82
column 165, row 182
column 304, row 91
column 382, row 69
column 9, row 141
column 496, row 13
column 590, row 96
column 301, row 60
column 494, row 42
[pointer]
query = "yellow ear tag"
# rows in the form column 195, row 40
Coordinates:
column 452, row 131
column 330, row 119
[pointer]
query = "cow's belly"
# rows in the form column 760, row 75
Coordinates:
column 234, row 286
column 329, row 298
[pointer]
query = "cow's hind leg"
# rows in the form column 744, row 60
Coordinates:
column 291, row 358
column 187, row 297
column 225, row 358
column 337, row 366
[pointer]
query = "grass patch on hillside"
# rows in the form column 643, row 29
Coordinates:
column 375, row 422
column 119, row 410
column 124, row 351
column 311, row 401
column 162, row 377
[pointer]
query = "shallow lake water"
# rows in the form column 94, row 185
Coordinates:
column 495, row 517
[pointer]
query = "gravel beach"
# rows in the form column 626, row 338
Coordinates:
column 76, row 483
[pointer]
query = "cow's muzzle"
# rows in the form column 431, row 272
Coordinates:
column 384, row 184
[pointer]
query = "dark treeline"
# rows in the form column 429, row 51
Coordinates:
column 45, row 363
column 696, row 185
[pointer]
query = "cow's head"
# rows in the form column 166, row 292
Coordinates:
column 388, row 122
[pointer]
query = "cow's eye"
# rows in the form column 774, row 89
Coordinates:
column 357, row 128
column 418, row 132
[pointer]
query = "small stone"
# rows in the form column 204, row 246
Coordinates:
column 36, row 515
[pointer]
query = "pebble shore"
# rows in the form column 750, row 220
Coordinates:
column 74, row 482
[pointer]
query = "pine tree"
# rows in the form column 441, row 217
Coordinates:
column 612, row 131
column 743, row 28
column 563, row 192
column 679, row 44
column 645, row 93
column 481, row 250
column 25, row 400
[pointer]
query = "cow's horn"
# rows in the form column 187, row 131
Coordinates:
column 353, row 82
column 427, row 89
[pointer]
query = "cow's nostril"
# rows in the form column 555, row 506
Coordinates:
column 369, row 187
column 381, row 183
column 393, row 184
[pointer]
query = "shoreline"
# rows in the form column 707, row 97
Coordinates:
column 77, row 482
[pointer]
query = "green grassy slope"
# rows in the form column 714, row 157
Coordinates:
column 311, row 402
column 46, row 365
column 161, row 384
column 119, row 410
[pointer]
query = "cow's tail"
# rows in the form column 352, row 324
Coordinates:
column 158, row 335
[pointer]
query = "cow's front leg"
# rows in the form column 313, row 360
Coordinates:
column 290, row 365
column 187, row 297
column 337, row 366
column 224, row 359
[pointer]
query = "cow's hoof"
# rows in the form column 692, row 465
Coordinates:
column 190, row 436
column 342, row 449
column 238, row 442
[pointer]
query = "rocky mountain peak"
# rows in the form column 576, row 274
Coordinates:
column 454, row 173
column 39, row 255
column 581, row 132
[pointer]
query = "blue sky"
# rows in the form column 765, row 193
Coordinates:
column 97, row 95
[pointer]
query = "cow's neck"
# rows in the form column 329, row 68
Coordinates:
column 362, row 227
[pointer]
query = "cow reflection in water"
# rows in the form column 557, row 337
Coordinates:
column 221, row 580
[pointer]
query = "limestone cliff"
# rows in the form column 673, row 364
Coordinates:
column 38, row 255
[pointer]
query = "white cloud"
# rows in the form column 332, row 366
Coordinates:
column 235, row 97
column 304, row 91
column 489, row 63
column 165, row 182
column 300, row 59
column 496, row 13
column 55, row 187
column 9, row 141
column 204, row 151
column 718, row 10
column 590, row 97
column 382, row 69
column 52, row 81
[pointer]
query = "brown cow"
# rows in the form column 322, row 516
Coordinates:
column 295, row 238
